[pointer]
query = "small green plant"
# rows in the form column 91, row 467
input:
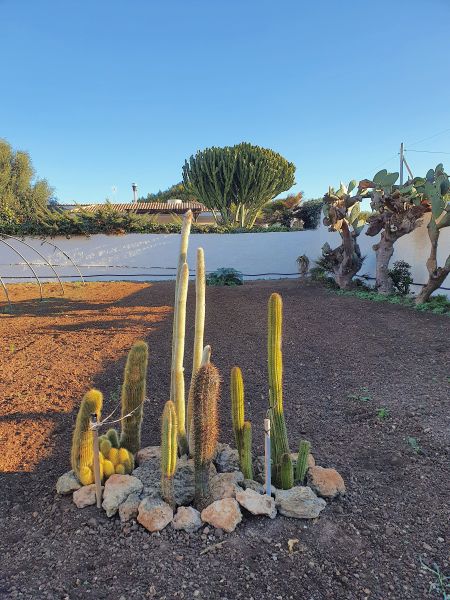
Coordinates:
column 362, row 396
column 441, row 584
column 225, row 276
column 382, row 413
column 414, row 444
column 401, row 277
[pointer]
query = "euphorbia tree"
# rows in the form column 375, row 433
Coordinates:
column 436, row 191
column 397, row 211
column 237, row 181
column 342, row 214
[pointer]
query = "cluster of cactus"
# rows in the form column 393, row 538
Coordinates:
column 113, row 457
column 242, row 429
column 116, row 455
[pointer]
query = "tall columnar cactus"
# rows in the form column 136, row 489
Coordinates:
column 286, row 472
column 133, row 396
column 246, row 461
column 237, row 406
column 178, row 334
column 205, row 426
column 168, row 451
column 82, row 455
column 280, row 444
column 200, row 287
column 178, row 397
column 302, row 461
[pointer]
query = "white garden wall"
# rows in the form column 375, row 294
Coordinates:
column 140, row 256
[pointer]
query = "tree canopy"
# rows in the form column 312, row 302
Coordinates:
column 177, row 191
column 237, row 181
column 21, row 193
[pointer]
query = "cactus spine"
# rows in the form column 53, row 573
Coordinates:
column 205, row 425
column 246, row 454
column 82, row 455
column 168, row 451
column 280, row 445
column 237, row 406
column 200, row 287
column 133, row 396
column 302, row 461
column 286, row 472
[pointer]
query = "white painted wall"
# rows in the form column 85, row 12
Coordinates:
column 120, row 257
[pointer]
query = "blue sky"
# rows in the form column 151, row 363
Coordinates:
column 105, row 93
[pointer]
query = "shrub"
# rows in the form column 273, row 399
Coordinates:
column 225, row 276
column 401, row 277
column 310, row 212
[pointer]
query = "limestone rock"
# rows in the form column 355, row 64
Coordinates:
column 129, row 509
column 187, row 518
column 256, row 503
column 117, row 490
column 299, row 503
column 327, row 483
column 225, row 485
column 154, row 514
column 223, row 514
column 85, row 496
column 67, row 483
column 227, row 459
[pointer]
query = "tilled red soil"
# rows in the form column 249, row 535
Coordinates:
column 344, row 359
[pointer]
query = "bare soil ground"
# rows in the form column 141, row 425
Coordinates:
column 344, row 359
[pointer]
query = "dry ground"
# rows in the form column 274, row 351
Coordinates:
column 344, row 359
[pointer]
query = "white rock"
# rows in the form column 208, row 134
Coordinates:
column 187, row 518
column 327, row 483
column 257, row 504
column 67, row 483
column 299, row 503
column 117, row 489
column 85, row 496
column 223, row 514
column 154, row 514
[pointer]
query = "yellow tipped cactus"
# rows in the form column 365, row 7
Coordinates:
column 168, row 451
column 282, row 469
column 82, row 453
column 133, row 396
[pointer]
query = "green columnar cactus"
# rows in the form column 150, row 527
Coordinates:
column 177, row 365
column 280, row 444
column 246, row 454
column 206, row 358
column 133, row 396
column 205, row 426
column 82, row 455
column 286, row 472
column 302, row 461
column 168, row 451
column 200, row 287
column 237, row 407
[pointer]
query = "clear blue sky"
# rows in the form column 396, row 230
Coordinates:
column 103, row 93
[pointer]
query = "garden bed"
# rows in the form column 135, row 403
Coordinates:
column 344, row 359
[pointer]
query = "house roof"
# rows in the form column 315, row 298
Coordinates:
column 149, row 207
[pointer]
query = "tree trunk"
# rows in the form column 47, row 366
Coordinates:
column 435, row 280
column 384, row 251
column 344, row 280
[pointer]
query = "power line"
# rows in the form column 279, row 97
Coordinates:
column 430, row 137
column 427, row 151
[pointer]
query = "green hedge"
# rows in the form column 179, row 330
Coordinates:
column 52, row 222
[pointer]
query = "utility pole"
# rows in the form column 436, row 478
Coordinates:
column 134, row 188
column 402, row 158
